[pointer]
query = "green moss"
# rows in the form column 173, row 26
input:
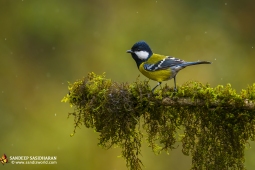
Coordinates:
column 216, row 122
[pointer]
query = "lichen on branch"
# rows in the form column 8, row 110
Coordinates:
column 217, row 122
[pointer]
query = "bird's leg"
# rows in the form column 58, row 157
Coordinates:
column 156, row 87
column 175, row 89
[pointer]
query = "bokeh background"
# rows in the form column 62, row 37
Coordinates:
column 46, row 43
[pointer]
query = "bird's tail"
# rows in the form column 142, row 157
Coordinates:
column 194, row 63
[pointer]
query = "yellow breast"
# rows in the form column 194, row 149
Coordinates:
column 160, row 75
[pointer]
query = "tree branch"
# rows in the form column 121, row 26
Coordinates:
column 217, row 122
column 247, row 104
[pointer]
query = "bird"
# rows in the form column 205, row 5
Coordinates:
column 158, row 67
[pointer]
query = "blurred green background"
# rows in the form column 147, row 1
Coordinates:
column 46, row 43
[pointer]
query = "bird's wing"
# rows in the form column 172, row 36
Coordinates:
column 163, row 64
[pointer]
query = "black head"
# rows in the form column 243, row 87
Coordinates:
column 140, row 52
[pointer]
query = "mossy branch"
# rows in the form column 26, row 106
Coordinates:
column 216, row 122
column 178, row 102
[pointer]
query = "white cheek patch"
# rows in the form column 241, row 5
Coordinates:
column 143, row 55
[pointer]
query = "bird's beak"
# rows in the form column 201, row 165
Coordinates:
column 130, row 51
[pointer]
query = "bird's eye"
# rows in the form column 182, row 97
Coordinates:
column 138, row 49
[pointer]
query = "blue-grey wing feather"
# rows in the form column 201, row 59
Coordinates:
column 164, row 64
